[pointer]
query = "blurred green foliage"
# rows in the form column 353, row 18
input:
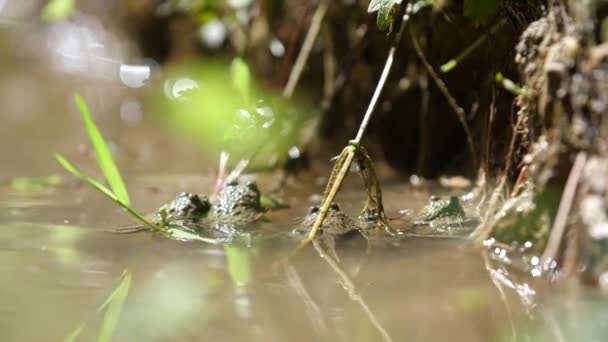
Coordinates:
column 219, row 107
column 57, row 10
column 480, row 12
column 35, row 184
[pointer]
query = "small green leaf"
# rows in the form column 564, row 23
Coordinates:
column 386, row 12
column 35, row 184
column 241, row 78
column 271, row 203
column 104, row 157
column 374, row 5
column 481, row 11
column 57, row 10
column 239, row 265
column 114, row 305
column 187, row 236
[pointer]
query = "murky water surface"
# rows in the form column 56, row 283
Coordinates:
column 59, row 264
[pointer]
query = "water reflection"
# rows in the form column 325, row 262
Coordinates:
column 134, row 76
column 417, row 290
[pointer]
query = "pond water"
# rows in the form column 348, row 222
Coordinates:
column 59, row 263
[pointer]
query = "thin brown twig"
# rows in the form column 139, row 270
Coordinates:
column 485, row 229
column 561, row 219
column 460, row 113
column 309, row 41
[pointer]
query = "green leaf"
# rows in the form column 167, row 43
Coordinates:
column 239, row 265
column 386, row 12
column 104, row 157
column 74, row 335
column 241, row 78
column 57, row 10
column 271, row 203
column 187, row 236
column 35, row 184
column 481, row 11
column 73, row 170
column 114, row 305
column 104, row 190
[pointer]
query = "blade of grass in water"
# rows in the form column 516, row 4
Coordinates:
column 73, row 336
column 104, row 190
column 104, row 157
column 239, row 265
column 114, row 305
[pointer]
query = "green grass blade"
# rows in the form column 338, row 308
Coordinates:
column 239, row 265
column 74, row 335
column 104, row 190
column 73, row 170
column 104, row 157
column 114, row 304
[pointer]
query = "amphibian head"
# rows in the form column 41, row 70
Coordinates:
column 237, row 200
column 336, row 222
column 441, row 207
column 185, row 206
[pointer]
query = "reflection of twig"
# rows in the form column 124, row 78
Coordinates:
column 554, row 326
column 559, row 225
column 350, row 288
column 460, row 113
column 312, row 309
column 311, row 37
column 501, row 290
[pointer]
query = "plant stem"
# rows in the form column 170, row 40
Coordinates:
column 559, row 225
column 460, row 113
column 309, row 40
column 451, row 64
column 348, row 154
column 380, row 86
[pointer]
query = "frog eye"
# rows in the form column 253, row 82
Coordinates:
column 334, row 206
column 313, row 210
column 434, row 198
column 253, row 186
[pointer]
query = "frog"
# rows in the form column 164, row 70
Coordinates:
column 186, row 206
column 338, row 226
column 234, row 209
column 444, row 217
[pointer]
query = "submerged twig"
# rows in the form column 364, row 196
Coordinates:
column 559, row 225
column 311, row 37
column 460, row 113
